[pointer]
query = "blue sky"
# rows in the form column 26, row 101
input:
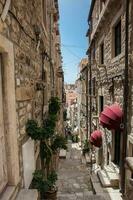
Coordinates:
column 73, row 27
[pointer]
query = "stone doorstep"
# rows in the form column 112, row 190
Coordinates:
column 27, row 194
column 112, row 175
column 62, row 153
column 107, row 193
column 115, row 167
column 104, row 178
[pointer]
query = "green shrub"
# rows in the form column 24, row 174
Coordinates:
column 59, row 142
column 33, row 130
column 54, row 105
column 86, row 147
column 75, row 138
column 43, row 184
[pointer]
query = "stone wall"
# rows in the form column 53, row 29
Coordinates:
column 110, row 76
column 33, row 60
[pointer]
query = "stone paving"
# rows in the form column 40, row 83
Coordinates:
column 74, row 177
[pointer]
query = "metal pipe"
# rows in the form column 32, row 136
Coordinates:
column 87, row 113
column 90, row 92
column 125, row 104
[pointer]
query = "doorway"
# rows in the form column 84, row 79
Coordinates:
column 117, row 140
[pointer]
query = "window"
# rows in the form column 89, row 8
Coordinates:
column 94, row 86
column 101, row 103
column 117, row 38
column 89, row 87
column 102, row 53
column 44, row 13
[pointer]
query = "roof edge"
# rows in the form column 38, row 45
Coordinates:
column 91, row 9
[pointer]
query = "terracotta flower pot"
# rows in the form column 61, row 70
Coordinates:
column 52, row 195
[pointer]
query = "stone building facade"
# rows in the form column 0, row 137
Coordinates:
column 81, row 99
column 71, row 101
column 107, row 53
column 30, row 73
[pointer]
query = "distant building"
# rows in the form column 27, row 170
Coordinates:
column 71, row 104
column 81, row 99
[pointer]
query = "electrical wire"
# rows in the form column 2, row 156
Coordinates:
column 72, row 46
column 21, row 26
column 72, row 53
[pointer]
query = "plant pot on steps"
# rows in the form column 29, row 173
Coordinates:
column 50, row 195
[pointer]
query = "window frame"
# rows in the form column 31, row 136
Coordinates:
column 101, row 53
column 117, row 39
column 114, row 22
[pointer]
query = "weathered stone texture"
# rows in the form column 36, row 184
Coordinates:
column 19, row 28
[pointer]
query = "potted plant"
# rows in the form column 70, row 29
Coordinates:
column 44, row 179
column 86, row 148
column 45, row 186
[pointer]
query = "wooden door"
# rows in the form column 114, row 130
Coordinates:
column 3, row 164
column 117, row 147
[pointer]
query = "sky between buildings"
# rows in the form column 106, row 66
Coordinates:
column 73, row 27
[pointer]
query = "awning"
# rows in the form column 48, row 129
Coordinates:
column 111, row 117
column 96, row 138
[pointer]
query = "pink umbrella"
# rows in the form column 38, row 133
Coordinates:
column 96, row 138
column 111, row 117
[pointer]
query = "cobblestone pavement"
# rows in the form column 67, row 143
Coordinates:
column 74, row 178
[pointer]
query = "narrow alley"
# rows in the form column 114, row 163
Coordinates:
column 74, row 177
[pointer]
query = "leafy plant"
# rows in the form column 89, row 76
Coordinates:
column 33, row 130
column 45, row 152
column 42, row 184
column 59, row 142
column 52, row 177
column 86, row 148
column 54, row 105
column 38, row 182
column 75, row 138
column 49, row 144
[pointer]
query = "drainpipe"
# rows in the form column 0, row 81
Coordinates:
column 87, row 113
column 125, row 105
column 50, row 43
column 90, row 92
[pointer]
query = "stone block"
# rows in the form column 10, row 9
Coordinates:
column 26, row 194
column 24, row 93
column 103, row 178
column 62, row 153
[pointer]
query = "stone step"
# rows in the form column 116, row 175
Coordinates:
column 115, row 167
column 112, row 175
column 96, row 186
column 9, row 193
column 27, row 194
column 79, row 196
column 104, row 178
column 83, row 160
column 62, row 153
